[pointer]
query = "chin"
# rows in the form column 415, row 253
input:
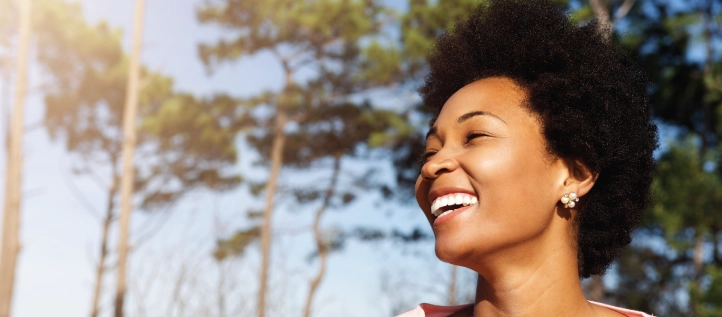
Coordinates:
column 452, row 252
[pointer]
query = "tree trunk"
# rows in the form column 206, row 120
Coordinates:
column 279, row 140
column 708, row 24
column 601, row 12
column 452, row 286
column 698, row 257
column 129, row 140
column 321, row 244
column 13, row 182
column 698, row 264
column 715, row 247
column 221, row 289
column 100, row 268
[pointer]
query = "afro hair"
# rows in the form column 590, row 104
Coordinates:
column 588, row 95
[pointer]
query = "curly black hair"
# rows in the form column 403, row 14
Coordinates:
column 589, row 96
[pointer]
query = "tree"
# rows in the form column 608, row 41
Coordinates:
column 130, row 112
column 8, row 34
column 298, row 35
column 688, row 200
column 183, row 142
column 685, row 217
column 13, row 171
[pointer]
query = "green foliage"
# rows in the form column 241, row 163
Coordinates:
column 686, row 217
column 692, row 201
column 183, row 143
column 302, row 25
column 713, row 297
column 662, row 35
column 688, row 198
column 381, row 64
column 235, row 245
column 427, row 19
column 341, row 48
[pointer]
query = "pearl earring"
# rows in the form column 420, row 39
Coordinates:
column 569, row 200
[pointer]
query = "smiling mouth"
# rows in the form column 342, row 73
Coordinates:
column 445, row 204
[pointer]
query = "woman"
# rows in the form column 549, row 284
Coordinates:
column 539, row 163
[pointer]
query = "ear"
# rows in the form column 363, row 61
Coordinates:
column 579, row 178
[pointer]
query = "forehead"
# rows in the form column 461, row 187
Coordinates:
column 497, row 95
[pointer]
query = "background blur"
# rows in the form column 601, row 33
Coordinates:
column 302, row 113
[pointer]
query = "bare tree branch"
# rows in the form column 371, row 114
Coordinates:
column 601, row 12
column 75, row 191
column 321, row 244
column 623, row 10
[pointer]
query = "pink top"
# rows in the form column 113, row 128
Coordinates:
column 428, row 310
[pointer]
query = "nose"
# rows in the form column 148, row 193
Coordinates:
column 438, row 165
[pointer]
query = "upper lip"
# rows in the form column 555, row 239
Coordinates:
column 441, row 191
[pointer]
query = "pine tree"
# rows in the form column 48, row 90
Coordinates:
column 183, row 142
column 315, row 120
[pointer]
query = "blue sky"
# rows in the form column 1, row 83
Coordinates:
column 60, row 238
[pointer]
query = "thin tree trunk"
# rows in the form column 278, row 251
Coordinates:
column 279, row 140
column 452, row 286
column 100, row 268
column 698, row 264
column 129, row 140
column 708, row 20
column 601, row 12
column 698, row 257
column 221, row 289
column 623, row 10
column 321, row 244
column 13, row 183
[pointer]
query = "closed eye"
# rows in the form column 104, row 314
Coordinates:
column 474, row 135
column 424, row 157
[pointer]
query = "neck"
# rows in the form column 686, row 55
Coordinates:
column 538, row 278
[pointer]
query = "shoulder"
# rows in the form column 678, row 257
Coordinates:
column 623, row 311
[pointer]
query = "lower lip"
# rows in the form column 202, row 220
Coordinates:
column 451, row 214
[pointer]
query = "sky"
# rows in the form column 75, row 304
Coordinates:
column 60, row 237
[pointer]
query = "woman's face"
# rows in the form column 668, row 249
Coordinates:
column 486, row 161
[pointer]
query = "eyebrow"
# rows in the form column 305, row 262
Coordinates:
column 465, row 117
column 478, row 113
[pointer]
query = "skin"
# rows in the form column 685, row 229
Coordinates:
column 519, row 238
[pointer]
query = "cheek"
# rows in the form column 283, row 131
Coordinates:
column 514, row 185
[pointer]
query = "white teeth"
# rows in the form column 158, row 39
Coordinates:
column 450, row 200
